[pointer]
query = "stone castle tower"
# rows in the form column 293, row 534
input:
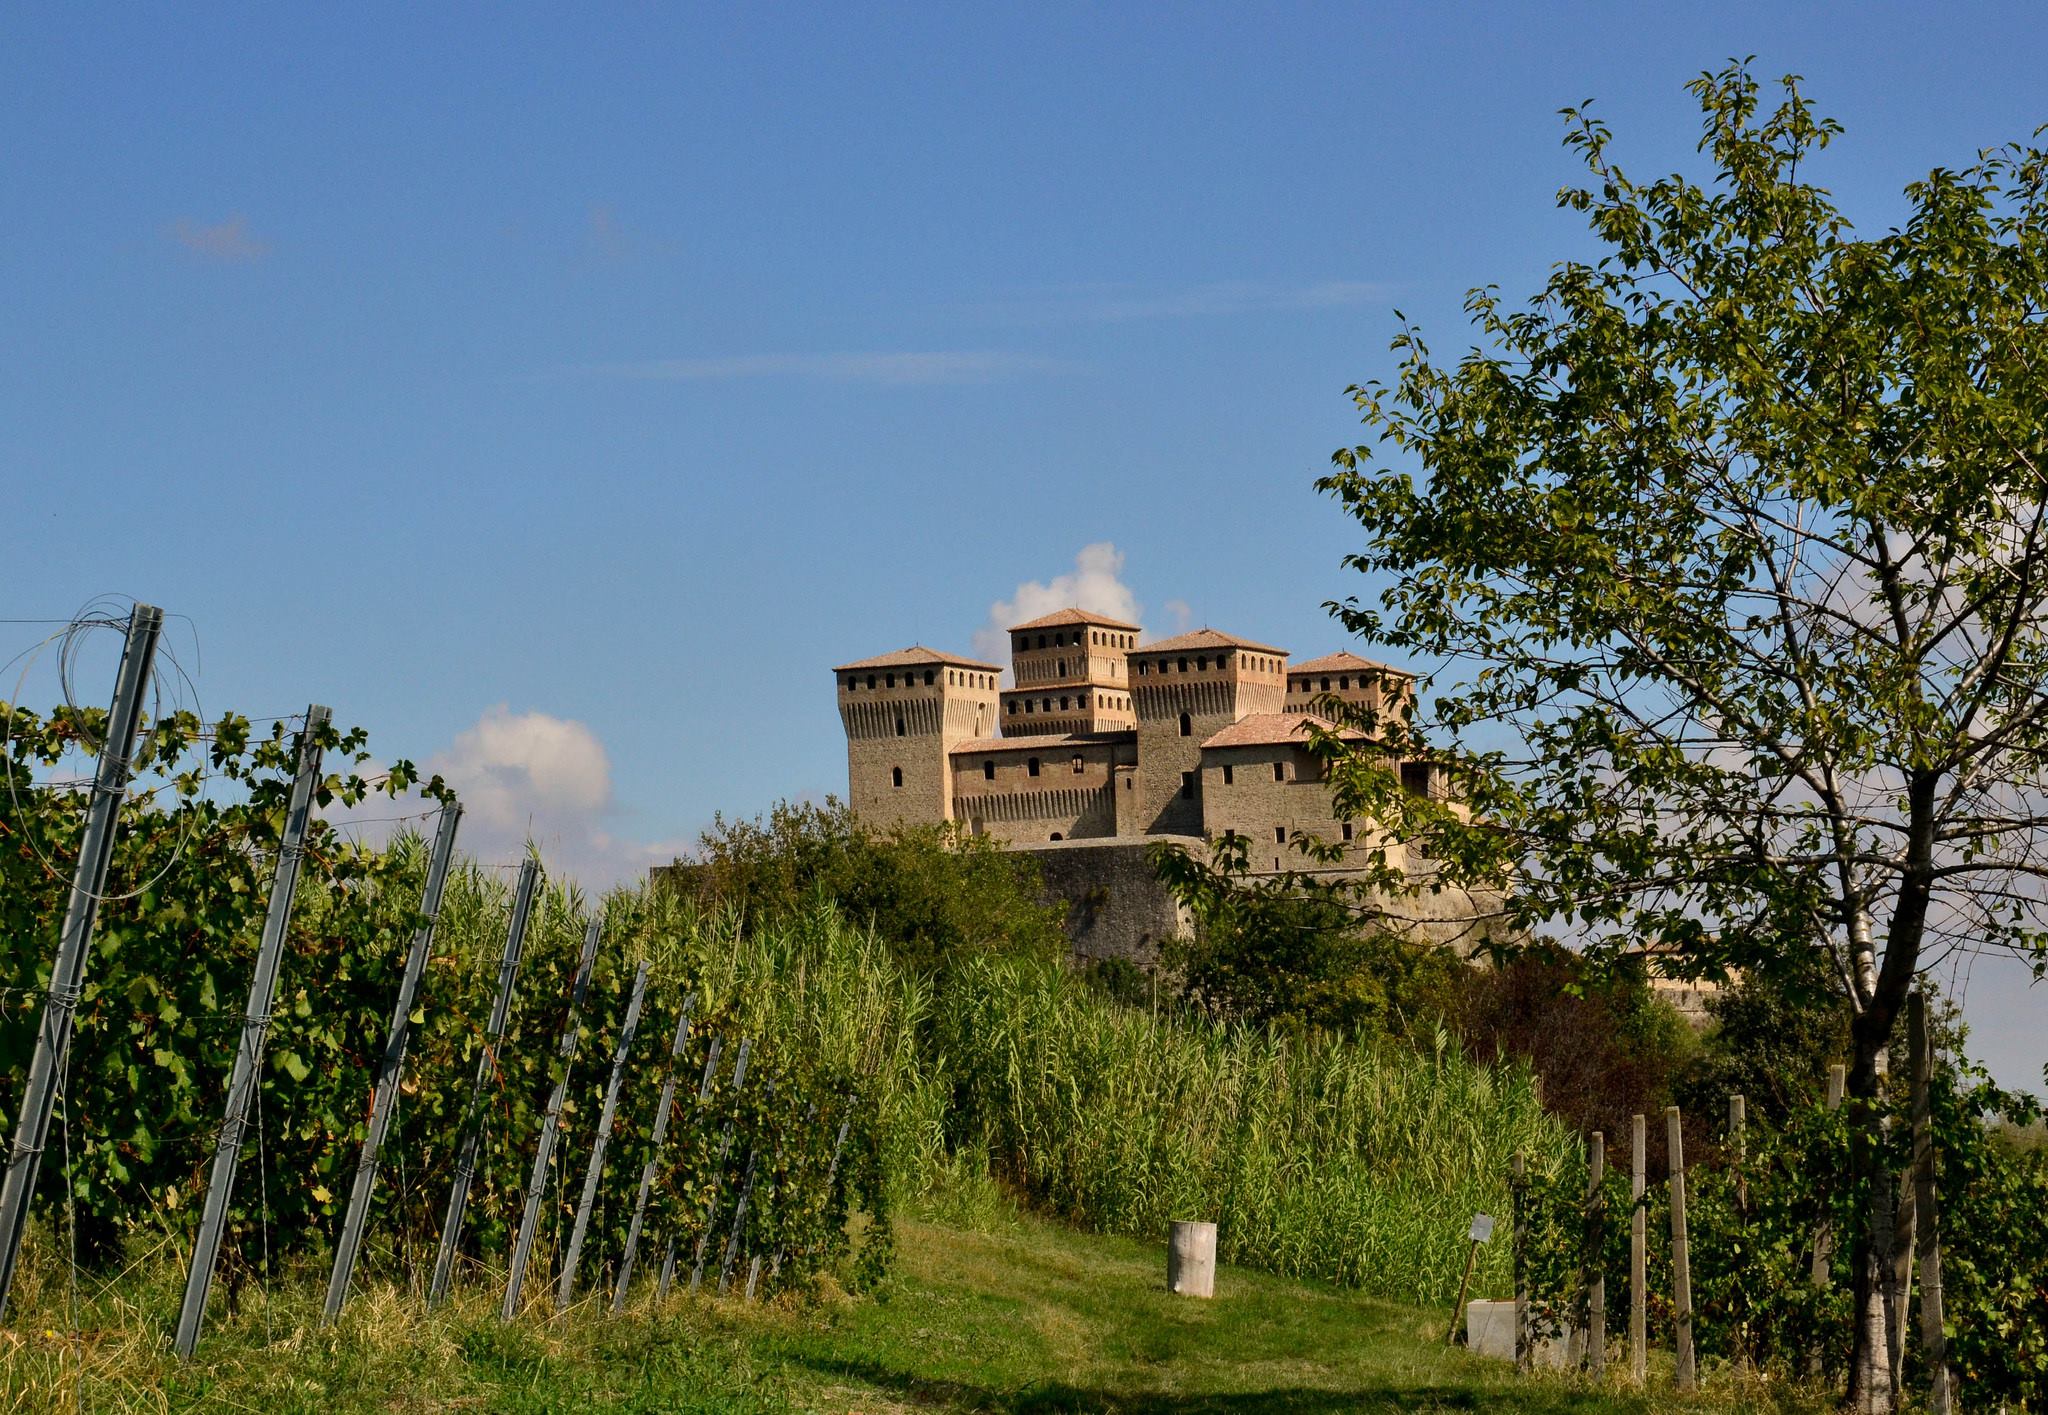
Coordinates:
column 904, row 713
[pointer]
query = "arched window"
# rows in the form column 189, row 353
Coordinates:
column 1183, row 665
column 896, row 775
column 899, row 729
column 1187, row 725
column 892, row 680
column 928, row 678
column 871, row 680
column 1056, row 835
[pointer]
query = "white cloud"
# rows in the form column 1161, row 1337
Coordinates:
column 1181, row 613
column 229, row 240
column 896, row 369
column 1096, row 583
column 532, row 776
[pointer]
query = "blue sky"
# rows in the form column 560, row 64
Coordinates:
column 559, row 391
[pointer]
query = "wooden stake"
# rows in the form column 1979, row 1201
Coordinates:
column 1685, row 1372
column 1521, row 1241
column 1638, row 1254
column 1738, row 1146
column 1596, row 1251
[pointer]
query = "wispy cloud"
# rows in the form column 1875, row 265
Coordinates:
column 1114, row 303
column 228, row 240
column 902, row 369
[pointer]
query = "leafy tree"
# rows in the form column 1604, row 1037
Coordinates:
column 1742, row 530
column 1299, row 950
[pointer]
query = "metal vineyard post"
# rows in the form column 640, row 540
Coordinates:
column 67, row 973
column 567, row 1288
column 647, row 1171
column 391, row 1067
column 247, row 1075
column 551, row 1125
column 486, row 1062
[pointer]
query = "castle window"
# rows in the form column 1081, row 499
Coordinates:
column 988, row 771
column 1326, row 685
column 896, row 776
column 1279, row 835
column 1013, row 707
column 1055, row 835
column 1347, row 830
column 1031, row 766
column 1077, row 766
column 899, row 727
column 1063, row 704
column 1228, row 777
column 1041, row 641
column 1415, row 778
column 871, row 680
column 1127, row 783
column 1345, row 683
column 1202, row 663
column 1027, row 705
column 1279, row 771
column 1187, row 725
column 1063, row 668
column 1144, row 668
column 1183, row 665
column 928, row 678
column 1187, row 786
column 1045, row 705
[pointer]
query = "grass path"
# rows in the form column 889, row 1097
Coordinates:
column 1008, row 1315
column 1034, row 1318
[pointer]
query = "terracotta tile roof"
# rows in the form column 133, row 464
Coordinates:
column 1267, row 729
column 1207, row 639
column 984, row 746
column 917, row 655
column 1343, row 662
column 1060, row 618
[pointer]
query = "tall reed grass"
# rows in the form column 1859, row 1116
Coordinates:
column 1315, row 1155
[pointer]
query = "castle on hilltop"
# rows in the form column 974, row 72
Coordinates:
column 1101, row 739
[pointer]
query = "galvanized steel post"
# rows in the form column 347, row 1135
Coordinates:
column 551, row 1125
column 248, row 1073
column 567, row 1288
column 391, row 1067
column 67, row 973
column 486, row 1063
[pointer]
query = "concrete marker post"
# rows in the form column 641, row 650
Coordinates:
column 1191, row 1258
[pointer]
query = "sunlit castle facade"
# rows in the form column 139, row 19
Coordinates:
column 1101, row 738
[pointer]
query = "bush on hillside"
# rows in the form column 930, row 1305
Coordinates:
column 932, row 893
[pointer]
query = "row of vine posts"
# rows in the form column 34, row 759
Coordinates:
column 732, row 1188
column 1578, row 1311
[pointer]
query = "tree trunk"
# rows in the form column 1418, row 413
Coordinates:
column 1870, row 1366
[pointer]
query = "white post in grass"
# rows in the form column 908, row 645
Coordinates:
column 1191, row 1260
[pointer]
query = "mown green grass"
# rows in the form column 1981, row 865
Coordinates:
column 1010, row 1314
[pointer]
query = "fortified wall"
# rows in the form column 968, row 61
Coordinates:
column 1102, row 745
